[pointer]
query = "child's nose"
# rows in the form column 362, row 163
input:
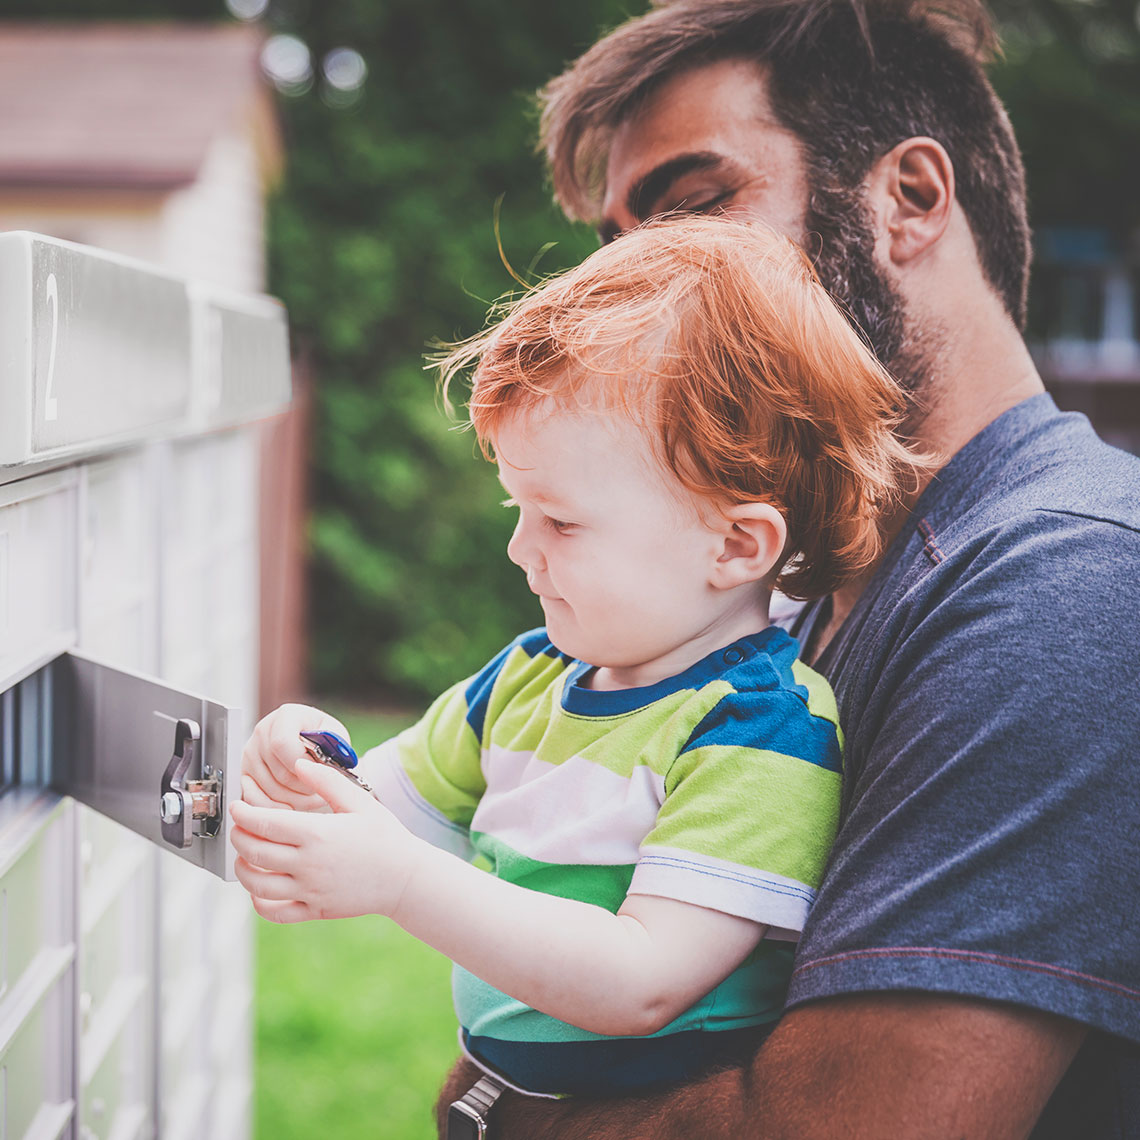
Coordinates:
column 522, row 549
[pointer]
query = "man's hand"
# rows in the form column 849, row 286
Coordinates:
column 299, row 866
column 269, row 758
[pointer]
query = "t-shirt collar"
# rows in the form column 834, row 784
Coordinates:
column 771, row 641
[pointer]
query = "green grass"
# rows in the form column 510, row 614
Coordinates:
column 355, row 1029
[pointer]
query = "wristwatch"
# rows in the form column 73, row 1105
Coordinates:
column 467, row 1116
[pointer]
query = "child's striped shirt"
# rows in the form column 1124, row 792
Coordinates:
column 717, row 787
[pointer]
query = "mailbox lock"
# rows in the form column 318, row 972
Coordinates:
column 203, row 795
column 186, row 803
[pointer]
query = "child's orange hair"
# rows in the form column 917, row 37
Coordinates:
column 717, row 337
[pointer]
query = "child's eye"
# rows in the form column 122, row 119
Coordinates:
column 558, row 525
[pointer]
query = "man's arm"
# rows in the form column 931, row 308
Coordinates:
column 920, row 1066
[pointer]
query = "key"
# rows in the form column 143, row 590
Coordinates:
column 328, row 748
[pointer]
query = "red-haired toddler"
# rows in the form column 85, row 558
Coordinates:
column 684, row 422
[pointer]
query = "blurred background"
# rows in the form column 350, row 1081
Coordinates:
column 352, row 156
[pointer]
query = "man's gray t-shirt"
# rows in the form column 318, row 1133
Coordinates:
column 989, row 689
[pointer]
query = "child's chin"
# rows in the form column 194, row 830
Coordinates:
column 564, row 639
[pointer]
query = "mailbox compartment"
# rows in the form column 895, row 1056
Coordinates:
column 38, row 950
column 34, row 1102
column 117, row 954
column 209, row 613
column 28, row 913
column 109, row 1109
column 206, row 1014
column 37, row 572
column 34, row 908
column 118, row 596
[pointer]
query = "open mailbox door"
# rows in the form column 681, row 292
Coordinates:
column 156, row 759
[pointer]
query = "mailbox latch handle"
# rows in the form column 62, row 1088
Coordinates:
column 188, row 807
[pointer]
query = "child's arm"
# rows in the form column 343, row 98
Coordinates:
column 625, row 974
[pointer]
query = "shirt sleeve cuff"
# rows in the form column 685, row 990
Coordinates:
column 703, row 880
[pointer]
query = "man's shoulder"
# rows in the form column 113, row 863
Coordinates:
column 1025, row 558
column 1049, row 501
column 1056, row 466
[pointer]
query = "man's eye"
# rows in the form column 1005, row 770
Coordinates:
column 704, row 205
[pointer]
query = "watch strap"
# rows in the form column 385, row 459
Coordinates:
column 476, row 1103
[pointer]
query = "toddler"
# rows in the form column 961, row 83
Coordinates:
column 683, row 423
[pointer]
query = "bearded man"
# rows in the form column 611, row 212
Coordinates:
column 971, row 966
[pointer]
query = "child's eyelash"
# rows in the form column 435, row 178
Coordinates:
column 558, row 525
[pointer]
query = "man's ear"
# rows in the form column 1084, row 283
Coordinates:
column 912, row 186
column 753, row 539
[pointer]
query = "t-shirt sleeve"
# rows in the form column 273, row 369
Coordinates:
column 990, row 844
column 430, row 776
column 750, row 810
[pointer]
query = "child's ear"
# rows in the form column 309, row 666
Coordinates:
column 753, row 539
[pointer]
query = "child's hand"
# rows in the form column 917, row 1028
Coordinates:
column 298, row 866
column 270, row 755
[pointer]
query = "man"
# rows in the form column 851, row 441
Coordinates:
column 972, row 964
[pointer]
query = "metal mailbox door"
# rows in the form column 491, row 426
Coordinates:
column 154, row 758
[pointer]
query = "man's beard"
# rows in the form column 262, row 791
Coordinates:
column 841, row 242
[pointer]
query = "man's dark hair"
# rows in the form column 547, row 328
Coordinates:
column 850, row 78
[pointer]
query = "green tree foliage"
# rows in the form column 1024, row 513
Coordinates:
column 383, row 240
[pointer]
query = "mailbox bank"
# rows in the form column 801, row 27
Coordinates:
column 128, row 640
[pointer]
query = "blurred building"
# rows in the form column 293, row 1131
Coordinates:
column 150, row 140
column 161, row 142
column 1085, row 326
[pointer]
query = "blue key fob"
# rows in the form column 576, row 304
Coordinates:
column 332, row 747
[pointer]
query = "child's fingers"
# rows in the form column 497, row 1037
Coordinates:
column 263, row 853
column 253, row 793
column 277, row 785
column 339, row 793
column 277, row 826
column 272, row 750
column 262, row 884
column 276, row 911
column 282, row 729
